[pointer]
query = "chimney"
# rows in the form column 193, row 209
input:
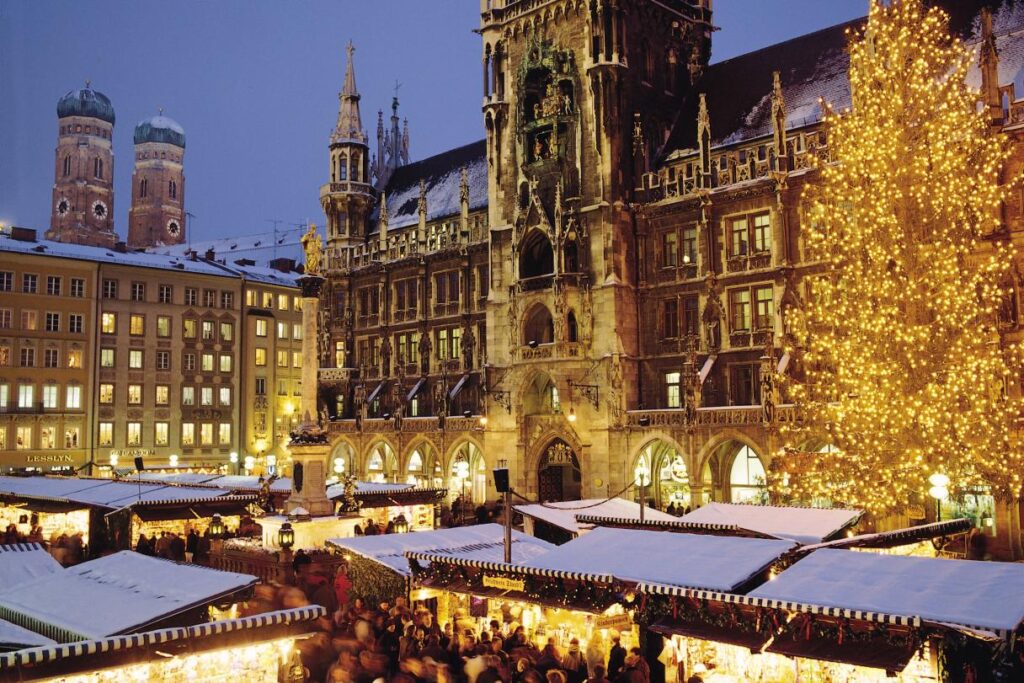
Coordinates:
column 210, row 254
column 23, row 234
column 121, row 248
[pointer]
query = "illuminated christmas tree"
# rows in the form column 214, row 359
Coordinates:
column 904, row 367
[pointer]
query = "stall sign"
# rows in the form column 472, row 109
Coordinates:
column 614, row 622
column 48, row 458
column 504, row 583
column 128, row 453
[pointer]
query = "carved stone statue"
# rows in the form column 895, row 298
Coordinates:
column 359, row 404
column 397, row 405
column 424, row 350
column 513, row 319
column 385, row 356
column 467, row 343
column 313, row 246
column 586, row 316
column 712, row 317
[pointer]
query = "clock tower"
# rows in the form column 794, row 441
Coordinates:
column 157, row 216
column 82, row 209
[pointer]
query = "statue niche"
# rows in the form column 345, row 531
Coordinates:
column 548, row 104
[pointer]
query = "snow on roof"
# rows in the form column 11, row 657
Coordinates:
column 365, row 488
column 242, row 482
column 803, row 525
column 563, row 514
column 173, row 477
column 260, row 247
column 719, row 563
column 14, row 636
column 21, row 562
column 442, row 177
column 979, row 594
column 117, row 594
column 483, row 542
column 107, row 493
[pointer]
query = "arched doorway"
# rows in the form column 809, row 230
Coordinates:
column 381, row 464
column 747, row 478
column 665, row 467
column 467, row 474
column 558, row 473
column 539, row 327
column 342, row 460
column 536, row 258
column 423, row 467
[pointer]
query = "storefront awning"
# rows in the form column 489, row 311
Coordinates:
column 416, row 388
column 719, row 634
column 376, row 392
column 672, row 525
column 458, row 386
column 569, row 515
column 22, row 562
column 706, row 368
column 898, row 537
column 230, row 507
column 803, row 525
column 876, row 653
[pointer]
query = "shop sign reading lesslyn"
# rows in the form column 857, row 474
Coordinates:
column 48, row 458
column 504, row 583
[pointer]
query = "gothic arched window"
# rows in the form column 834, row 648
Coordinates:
column 172, row 189
column 67, row 165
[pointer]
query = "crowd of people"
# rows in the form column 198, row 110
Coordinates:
column 68, row 549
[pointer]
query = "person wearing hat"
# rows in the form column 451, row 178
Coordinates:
column 573, row 663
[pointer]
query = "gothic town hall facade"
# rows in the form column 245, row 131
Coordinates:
column 600, row 286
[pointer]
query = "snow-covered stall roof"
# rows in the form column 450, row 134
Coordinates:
column 717, row 563
column 186, row 478
column 366, row 488
column 987, row 595
column 242, row 482
column 22, row 562
column 803, row 525
column 105, row 493
column 563, row 514
column 116, row 594
column 483, row 542
column 14, row 637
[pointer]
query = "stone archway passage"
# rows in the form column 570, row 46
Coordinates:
column 558, row 474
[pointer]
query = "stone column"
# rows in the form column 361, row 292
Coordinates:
column 309, row 445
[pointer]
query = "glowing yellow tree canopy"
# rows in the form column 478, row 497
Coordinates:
column 899, row 339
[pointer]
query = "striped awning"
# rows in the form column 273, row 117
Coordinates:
column 376, row 392
column 458, row 386
column 39, row 655
column 897, row 537
column 511, row 568
column 22, row 547
column 736, row 599
column 680, row 525
column 416, row 388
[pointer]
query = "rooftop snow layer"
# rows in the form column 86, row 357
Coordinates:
column 989, row 595
column 482, row 542
column 22, row 562
column 13, row 636
column 107, row 493
column 261, row 247
column 563, row 515
column 718, row 563
column 117, row 594
column 803, row 525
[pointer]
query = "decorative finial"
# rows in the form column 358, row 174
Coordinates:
column 160, row 111
column 88, row 84
column 350, row 49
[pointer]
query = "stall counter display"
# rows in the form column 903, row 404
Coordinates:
column 178, row 526
column 420, row 517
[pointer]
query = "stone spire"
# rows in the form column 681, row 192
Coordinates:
column 383, row 224
column 704, row 142
column 421, row 209
column 350, row 123
column 778, row 122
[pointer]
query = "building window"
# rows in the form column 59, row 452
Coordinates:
column 282, row 302
column 106, row 435
column 163, row 360
column 47, row 437
column 165, row 294
column 446, row 286
column 670, row 319
column 70, row 438
column 261, row 328
column 50, row 396
column 29, row 320
column 5, row 356
column 188, row 434
column 134, row 434
column 73, row 397
column 163, row 326
column 135, row 359
column 282, row 359
column 75, row 323
column 24, row 438
column 53, row 283
column 250, row 297
column 227, row 332
column 209, row 298
column 6, row 318
column 762, row 233
column 134, row 394
column 189, row 361
column 29, row 283
column 67, row 162
column 739, row 305
column 448, row 343
column 26, row 395
column 339, row 354
column 224, row 397
column 669, row 250
column 690, row 245
column 206, row 434
column 691, row 316
column 268, row 300
column 163, row 395
column 208, row 330
column 97, row 167
column 282, row 387
column 51, row 358
column 5, row 397
column 745, row 384
column 206, row 396
column 108, row 323
column 188, row 330
column 227, row 299
column 282, row 330
column 136, row 325
column 110, row 289
column 764, row 309
column 191, row 296
column 138, row 291
column 207, row 359
column 225, row 362
column 161, row 433
column 52, row 322
column 106, row 358
column 750, row 231
column 369, row 301
column 106, row 393
column 261, row 386
column 75, row 358
column 261, row 357
column 224, row 437
column 77, row 287
column 672, row 394
column 28, row 357
column 143, row 187
column 296, row 331
column 6, row 281
column 296, row 359
column 172, row 189
column 188, row 396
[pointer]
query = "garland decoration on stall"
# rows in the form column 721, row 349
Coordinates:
column 373, row 583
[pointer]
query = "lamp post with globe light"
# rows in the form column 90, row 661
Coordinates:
column 939, row 491
column 462, row 474
column 643, row 480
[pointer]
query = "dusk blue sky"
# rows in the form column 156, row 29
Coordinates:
column 255, row 83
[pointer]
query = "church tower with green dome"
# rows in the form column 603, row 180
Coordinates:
column 157, row 216
column 82, row 208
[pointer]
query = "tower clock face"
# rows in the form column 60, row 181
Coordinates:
column 99, row 209
column 63, row 206
column 173, row 228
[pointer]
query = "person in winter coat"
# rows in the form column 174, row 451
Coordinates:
column 573, row 663
column 191, row 545
column 143, row 547
column 641, row 664
column 616, row 659
column 631, row 672
column 598, row 676
column 596, row 655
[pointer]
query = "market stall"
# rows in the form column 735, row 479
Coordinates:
column 385, row 502
column 557, row 522
column 24, row 562
column 801, row 524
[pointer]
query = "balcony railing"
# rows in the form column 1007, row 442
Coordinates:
column 709, row 417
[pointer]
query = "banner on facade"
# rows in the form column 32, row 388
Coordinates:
column 504, row 583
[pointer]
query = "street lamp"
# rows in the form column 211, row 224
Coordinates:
column 572, row 414
column 286, row 536
column 233, row 459
column 173, row 460
column 250, row 463
column 462, row 473
column 113, row 459
column 339, row 466
column 401, row 524
column 939, row 491
column 217, row 527
column 271, row 463
column 643, row 480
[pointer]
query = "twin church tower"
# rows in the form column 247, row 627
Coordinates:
column 82, row 211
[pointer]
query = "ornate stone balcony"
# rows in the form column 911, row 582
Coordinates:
column 722, row 416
